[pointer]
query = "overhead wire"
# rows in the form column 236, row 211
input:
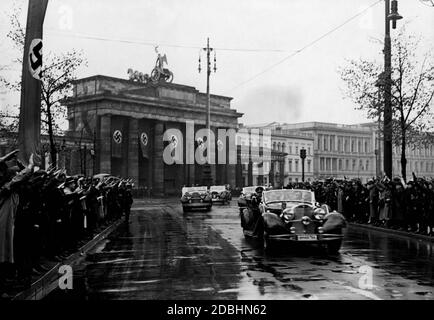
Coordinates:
column 306, row 46
column 149, row 43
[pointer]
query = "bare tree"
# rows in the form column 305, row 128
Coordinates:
column 58, row 74
column 412, row 92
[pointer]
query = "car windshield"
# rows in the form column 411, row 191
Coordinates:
column 194, row 189
column 288, row 195
column 248, row 190
column 217, row 188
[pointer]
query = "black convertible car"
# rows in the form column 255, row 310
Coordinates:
column 289, row 215
column 195, row 198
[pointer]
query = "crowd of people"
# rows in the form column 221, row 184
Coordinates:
column 46, row 215
column 380, row 202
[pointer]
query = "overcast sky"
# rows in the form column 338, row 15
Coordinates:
column 250, row 36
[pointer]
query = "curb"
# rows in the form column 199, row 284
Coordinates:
column 395, row 232
column 48, row 282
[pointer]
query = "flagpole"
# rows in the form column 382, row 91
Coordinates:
column 29, row 132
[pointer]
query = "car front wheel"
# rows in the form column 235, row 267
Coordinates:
column 334, row 246
column 266, row 243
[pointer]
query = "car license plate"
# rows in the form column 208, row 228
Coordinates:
column 307, row 237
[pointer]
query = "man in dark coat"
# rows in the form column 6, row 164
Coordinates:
column 398, row 205
column 373, row 202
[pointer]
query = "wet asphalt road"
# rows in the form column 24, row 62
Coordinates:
column 165, row 254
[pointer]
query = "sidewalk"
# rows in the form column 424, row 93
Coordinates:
column 49, row 281
column 392, row 231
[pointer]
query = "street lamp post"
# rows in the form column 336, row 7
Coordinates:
column 207, row 169
column 380, row 85
column 391, row 14
column 302, row 156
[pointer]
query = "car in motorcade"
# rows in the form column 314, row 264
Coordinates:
column 294, row 216
column 196, row 198
column 220, row 194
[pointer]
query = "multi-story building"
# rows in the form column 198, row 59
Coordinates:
column 254, row 157
column 286, row 165
column 355, row 151
column 419, row 160
column 290, row 143
column 340, row 150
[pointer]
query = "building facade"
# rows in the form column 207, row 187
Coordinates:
column 355, row 151
column 254, row 157
column 285, row 164
column 290, row 143
column 133, row 124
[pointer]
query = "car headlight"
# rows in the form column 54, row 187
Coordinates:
column 319, row 213
column 288, row 214
column 305, row 220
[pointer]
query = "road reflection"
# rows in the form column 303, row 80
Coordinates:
column 165, row 254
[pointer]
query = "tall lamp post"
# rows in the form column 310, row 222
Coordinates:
column 207, row 169
column 380, row 85
column 302, row 156
column 391, row 14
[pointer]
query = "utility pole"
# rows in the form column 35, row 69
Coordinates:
column 29, row 132
column 390, row 15
column 207, row 176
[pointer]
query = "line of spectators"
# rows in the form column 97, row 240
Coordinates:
column 380, row 202
column 46, row 215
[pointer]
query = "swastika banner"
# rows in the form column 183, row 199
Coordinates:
column 35, row 59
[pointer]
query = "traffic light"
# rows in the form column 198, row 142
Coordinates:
column 303, row 153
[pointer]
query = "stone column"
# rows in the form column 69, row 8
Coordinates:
column 133, row 151
column 157, row 161
column 105, row 144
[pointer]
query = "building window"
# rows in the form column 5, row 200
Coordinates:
column 290, row 166
column 366, row 147
column 340, row 164
column 367, row 165
column 308, row 151
column 321, row 164
column 290, row 149
column 339, row 144
column 296, row 165
column 296, row 150
column 308, row 166
column 354, row 165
